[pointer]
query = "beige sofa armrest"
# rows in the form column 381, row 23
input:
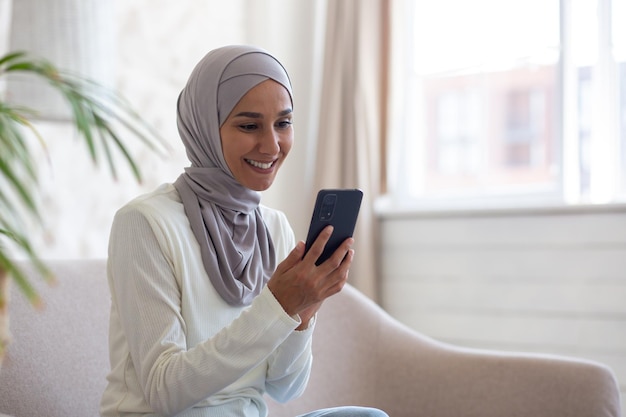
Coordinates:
column 365, row 357
column 451, row 381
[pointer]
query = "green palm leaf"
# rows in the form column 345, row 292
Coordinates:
column 98, row 114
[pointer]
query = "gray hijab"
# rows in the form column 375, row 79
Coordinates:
column 236, row 247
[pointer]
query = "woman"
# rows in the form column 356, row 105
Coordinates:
column 204, row 318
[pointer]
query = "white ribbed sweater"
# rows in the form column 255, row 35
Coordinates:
column 176, row 348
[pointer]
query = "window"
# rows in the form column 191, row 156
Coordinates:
column 516, row 98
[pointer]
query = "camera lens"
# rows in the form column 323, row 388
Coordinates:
column 328, row 206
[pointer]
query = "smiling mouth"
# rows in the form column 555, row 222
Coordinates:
column 261, row 165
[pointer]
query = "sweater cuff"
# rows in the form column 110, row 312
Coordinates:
column 275, row 305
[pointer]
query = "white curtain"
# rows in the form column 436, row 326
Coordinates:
column 350, row 144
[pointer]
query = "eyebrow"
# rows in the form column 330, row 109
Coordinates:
column 255, row 115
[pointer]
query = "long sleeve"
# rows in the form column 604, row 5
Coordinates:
column 290, row 366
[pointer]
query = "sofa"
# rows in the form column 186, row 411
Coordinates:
column 58, row 359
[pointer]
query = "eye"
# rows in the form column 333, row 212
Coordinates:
column 284, row 124
column 248, row 127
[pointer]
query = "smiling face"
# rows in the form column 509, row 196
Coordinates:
column 258, row 134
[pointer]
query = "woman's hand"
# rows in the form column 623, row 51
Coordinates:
column 300, row 286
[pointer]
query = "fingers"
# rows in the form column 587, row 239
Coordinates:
column 339, row 275
column 318, row 245
column 333, row 274
column 317, row 248
column 298, row 283
column 338, row 258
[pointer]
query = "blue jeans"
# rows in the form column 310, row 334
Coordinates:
column 346, row 412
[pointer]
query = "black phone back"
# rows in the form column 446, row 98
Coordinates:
column 336, row 207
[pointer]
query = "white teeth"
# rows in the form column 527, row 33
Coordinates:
column 261, row 165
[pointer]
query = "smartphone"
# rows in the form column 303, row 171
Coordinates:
column 336, row 207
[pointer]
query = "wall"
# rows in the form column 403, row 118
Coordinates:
column 543, row 280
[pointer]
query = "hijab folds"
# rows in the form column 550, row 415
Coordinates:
column 236, row 247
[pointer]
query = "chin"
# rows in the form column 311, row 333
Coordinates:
column 259, row 187
column 263, row 188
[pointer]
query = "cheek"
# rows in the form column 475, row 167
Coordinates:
column 231, row 151
column 286, row 144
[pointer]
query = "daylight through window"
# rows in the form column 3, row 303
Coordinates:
column 516, row 98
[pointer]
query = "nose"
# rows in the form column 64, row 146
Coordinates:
column 269, row 142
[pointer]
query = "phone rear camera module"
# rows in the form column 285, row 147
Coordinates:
column 328, row 207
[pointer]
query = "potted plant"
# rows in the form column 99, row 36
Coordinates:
column 99, row 116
